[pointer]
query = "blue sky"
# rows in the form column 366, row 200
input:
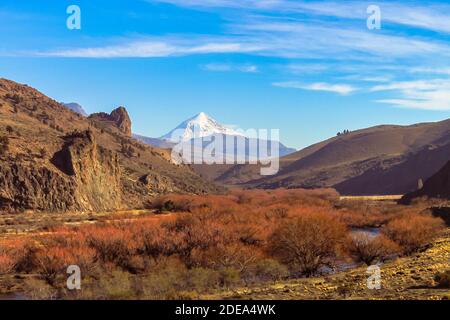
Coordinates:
column 309, row 68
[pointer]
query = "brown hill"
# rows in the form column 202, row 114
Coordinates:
column 53, row 159
column 437, row 186
column 380, row 160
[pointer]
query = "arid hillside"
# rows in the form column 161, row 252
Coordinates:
column 437, row 187
column 379, row 160
column 53, row 159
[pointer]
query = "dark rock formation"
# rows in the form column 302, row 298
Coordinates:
column 438, row 186
column 119, row 117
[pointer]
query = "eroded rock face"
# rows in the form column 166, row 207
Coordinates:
column 83, row 178
column 438, row 186
column 23, row 187
column 119, row 117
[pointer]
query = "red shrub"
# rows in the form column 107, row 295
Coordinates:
column 413, row 231
column 367, row 249
column 308, row 241
column 6, row 263
column 112, row 244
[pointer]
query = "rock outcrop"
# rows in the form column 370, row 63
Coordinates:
column 54, row 161
column 118, row 117
column 438, row 186
column 84, row 178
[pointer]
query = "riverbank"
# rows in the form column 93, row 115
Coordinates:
column 409, row 278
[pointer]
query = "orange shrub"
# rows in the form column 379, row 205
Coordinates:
column 413, row 231
column 51, row 263
column 368, row 249
column 307, row 241
column 112, row 243
column 6, row 263
column 235, row 256
column 25, row 256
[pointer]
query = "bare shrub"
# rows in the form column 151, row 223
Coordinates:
column 6, row 263
column 443, row 279
column 113, row 244
column 413, row 231
column 266, row 270
column 307, row 242
column 51, row 263
column 25, row 257
column 367, row 249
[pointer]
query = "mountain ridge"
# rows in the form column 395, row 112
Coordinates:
column 353, row 161
column 54, row 159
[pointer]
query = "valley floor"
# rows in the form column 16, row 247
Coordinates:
column 409, row 278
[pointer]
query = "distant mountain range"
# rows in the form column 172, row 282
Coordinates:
column 76, row 107
column 155, row 142
column 202, row 126
column 386, row 159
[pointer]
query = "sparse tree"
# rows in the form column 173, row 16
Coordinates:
column 9, row 129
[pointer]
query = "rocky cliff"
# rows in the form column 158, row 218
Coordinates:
column 53, row 159
column 83, row 178
column 118, row 117
column 438, row 186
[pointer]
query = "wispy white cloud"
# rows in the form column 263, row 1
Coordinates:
column 152, row 48
column 217, row 67
column 271, row 37
column 431, row 70
column 342, row 89
column 307, row 68
column 297, row 39
column 432, row 16
column 227, row 67
column 248, row 68
column 137, row 49
column 368, row 78
column 431, row 94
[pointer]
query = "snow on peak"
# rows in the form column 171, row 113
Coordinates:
column 198, row 126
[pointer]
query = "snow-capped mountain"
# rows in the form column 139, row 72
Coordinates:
column 198, row 126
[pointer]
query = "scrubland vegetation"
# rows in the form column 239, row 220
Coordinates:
column 197, row 244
